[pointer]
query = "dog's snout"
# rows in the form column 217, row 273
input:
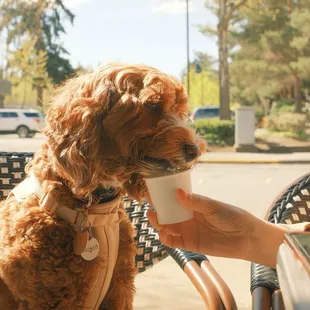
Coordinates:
column 191, row 152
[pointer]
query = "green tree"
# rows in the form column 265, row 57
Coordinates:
column 274, row 52
column 225, row 11
column 42, row 20
column 203, row 82
column 29, row 66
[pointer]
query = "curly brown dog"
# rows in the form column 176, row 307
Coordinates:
column 105, row 131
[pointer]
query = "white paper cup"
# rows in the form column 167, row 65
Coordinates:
column 162, row 191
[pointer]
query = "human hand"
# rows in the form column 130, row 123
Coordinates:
column 217, row 229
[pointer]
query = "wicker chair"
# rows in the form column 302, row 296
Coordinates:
column 290, row 207
column 214, row 291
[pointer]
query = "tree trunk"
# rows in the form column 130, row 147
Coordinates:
column 40, row 96
column 297, row 93
column 223, row 62
column 25, row 95
column 201, row 90
column 1, row 101
column 289, row 93
column 290, row 6
column 283, row 93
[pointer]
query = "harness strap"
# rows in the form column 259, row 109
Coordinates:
column 104, row 220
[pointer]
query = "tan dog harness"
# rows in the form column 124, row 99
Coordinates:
column 101, row 221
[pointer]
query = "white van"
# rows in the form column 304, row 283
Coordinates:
column 21, row 121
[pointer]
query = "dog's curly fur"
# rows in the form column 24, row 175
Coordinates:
column 105, row 129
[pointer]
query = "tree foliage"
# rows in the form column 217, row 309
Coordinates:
column 28, row 64
column 274, row 50
column 29, row 67
column 225, row 11
column 267, row 46
column 204, row 89
column 42, row 21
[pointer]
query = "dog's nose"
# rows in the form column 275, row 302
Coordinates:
column 191, row 151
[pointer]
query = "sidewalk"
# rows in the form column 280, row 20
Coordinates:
column 255, row 158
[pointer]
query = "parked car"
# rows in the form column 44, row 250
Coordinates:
column 206, row 113
column 23, row 122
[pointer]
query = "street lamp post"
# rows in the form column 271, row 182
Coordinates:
column 5, row 89
column 187, row 49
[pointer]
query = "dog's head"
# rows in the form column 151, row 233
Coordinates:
column 118, row 124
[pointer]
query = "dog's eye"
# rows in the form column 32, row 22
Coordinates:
column 154, row 107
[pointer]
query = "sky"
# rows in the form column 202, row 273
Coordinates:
column 152, row 32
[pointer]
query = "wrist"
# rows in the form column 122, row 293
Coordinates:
column 264, row 243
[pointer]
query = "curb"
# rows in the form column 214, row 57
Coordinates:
column 251, row 161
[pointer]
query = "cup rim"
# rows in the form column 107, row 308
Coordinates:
column 168, row 175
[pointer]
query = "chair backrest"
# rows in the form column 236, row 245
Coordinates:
column 12, row 170
column 150, row 249
column 291, row 207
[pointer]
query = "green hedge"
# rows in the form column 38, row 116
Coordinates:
column 278, row 104
column 288, row 122
column 286, row 109
column 282, row 106
column 217, row 132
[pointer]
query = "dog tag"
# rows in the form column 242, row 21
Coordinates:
column 80, row 241
column 92, row 249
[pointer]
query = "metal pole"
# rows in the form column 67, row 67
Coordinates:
column 187, row 49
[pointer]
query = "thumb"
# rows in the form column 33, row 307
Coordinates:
column 192, row 202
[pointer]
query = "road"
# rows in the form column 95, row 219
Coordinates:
column 12, row 143
column 251, row 187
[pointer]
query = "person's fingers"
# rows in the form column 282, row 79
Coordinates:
column 190, row 201
column 171, row 229
column 153, row 220
column 172, row 241
column 198, row 203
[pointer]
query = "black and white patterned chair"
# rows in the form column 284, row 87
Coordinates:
column 209, row 284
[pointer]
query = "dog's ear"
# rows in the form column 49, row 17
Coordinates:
column 75, row 132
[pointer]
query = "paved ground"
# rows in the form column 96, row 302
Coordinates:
column 252, row 187
column 13, row 143
column 255, row 158
column 249, row 186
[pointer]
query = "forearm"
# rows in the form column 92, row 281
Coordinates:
column 266, row 239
